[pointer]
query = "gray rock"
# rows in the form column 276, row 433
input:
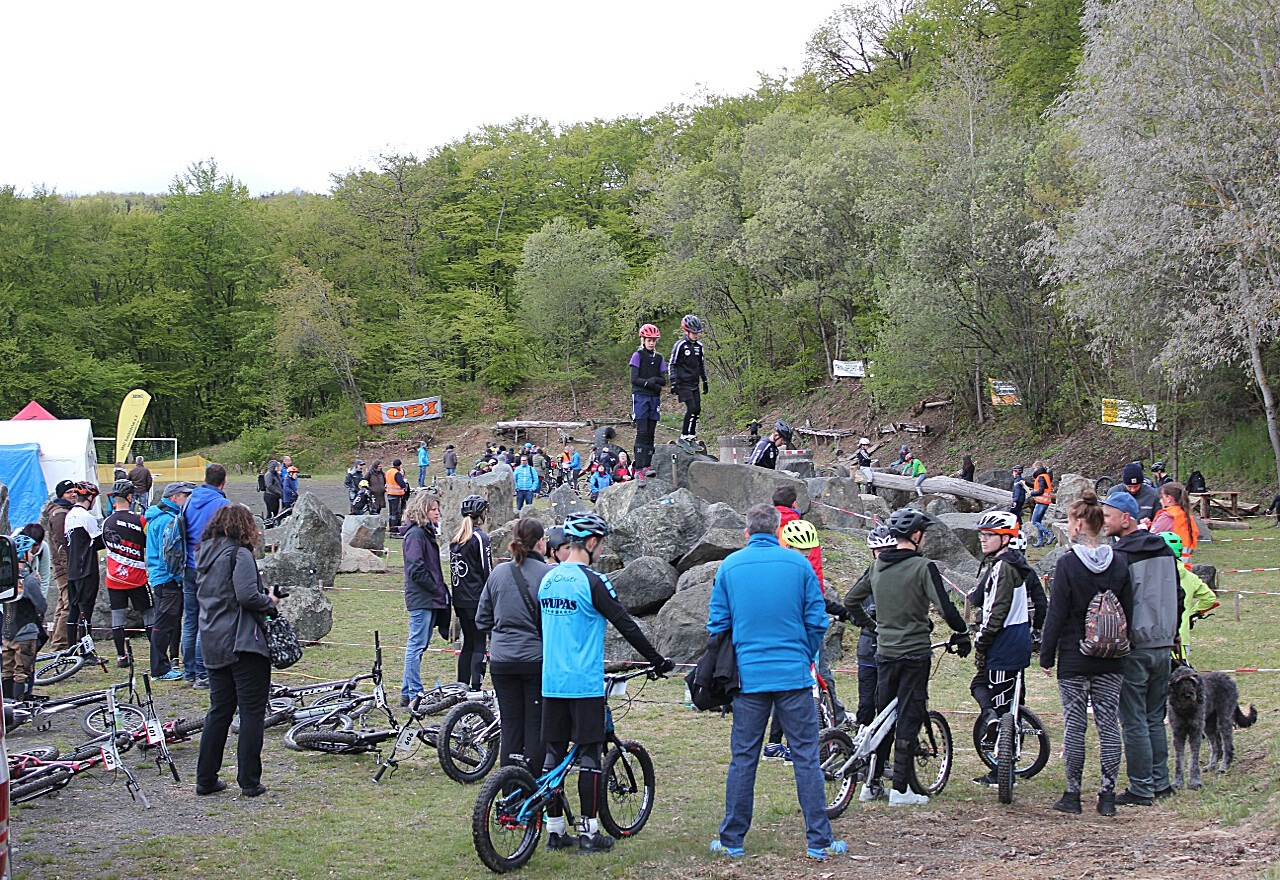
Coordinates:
column 1069, row 488
column 546, row 517
column 722, row 516
column 837, row 503
column 618, row 650
column 996, row 479
column 499, row 538
column 945, row 548
column 667, row 528
column 1207, row 573
column 833, row 641
column 497, row 486
column 876, row 507
column 564, row 501
column 622, row 498
column 310, row 611
column 965, row 527
column 672, row 454
column 1047, row 563
column 698, row 575
column 365, row 532
column 358, row 559
column 1206, row 533
column 644, row 584
column 741, row 485
column 714, row 545
column 607, row 561
column 799, row 467
column 938, row 505
column 314, row 535
column 680, row 628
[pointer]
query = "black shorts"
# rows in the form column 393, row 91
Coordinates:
column 141, row 598
column 690, row 396
column 579, row 721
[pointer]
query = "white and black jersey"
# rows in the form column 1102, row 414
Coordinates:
column 686, row 364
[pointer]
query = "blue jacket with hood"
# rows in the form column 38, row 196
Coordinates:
column 201, row 507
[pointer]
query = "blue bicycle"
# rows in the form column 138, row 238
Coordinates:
column 508, row 818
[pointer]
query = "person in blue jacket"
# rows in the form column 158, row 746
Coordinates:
column 769, row 597
column 527, row 481
column 424, row 462
column 600, row 480
column 205, row 501
column 289, row 485
column 165, row 578
column 575, row 601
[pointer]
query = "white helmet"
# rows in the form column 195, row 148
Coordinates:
column 864, row 442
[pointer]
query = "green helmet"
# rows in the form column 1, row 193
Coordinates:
column 1174, row 542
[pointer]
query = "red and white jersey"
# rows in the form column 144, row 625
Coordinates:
column 125, row 536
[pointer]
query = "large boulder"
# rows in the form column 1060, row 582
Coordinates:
column 499, row 538
column 1207, row 573
column 741, row 485
column 498, row 487
column 1206, row 533
column 565, row 501
column 622, row 498
column 607, row 561
column 618, row 650
column 944, row 547
column 671, row 463
column 645, row 584
column 358, row 559
column 680, row 628
column 699, row 575
column 837, row 503
column 965, row 527
column 365, row 532
column 313, row 534
column 668, row 528
column 833, row 641
column 1044, row 568
column 798, row 466
column 310, row 611
column 996, row 479
column 940, row 505
column 1071, row 487
column 714, row 545
column 722, row 516
column 546, row 517
column 876, row 507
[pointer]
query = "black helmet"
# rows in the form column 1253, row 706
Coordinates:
column 556, row 538
column 474, row 505
column 906, row 522
column 691, row 323
column 580, row 526
column 1158, row 466
column 784, row 430
column 122, row 488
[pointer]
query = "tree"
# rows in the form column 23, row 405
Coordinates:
column 1176, row 116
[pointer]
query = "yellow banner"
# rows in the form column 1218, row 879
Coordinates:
column 132, row 410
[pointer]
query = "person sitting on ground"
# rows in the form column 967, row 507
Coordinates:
column 905, row 584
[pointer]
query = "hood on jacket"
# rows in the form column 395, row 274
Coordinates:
column 1142, row 541
column 894, row 556
column 1096, row 559
column 1017, row 560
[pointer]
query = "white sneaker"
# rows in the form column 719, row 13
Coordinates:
column 907, row 798
column 871, row 791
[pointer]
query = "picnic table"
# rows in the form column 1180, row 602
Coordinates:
column 1205, row 499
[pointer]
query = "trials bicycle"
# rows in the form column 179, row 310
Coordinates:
column 60, row 665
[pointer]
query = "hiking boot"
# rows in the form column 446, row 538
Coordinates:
column 1127, row 798
column 202, row 683
column 218, row 785
column 122, row 663
column 989, row 780
column 257, row 791
column 733, row 852
column 562, row 841
column 1167, row 792
column 777, row 752
column 1107, row 803
column 835, row 848
column 907, row 798
column 1070, row 802
column 593, row 843
column 872, row 791
column 404, row 702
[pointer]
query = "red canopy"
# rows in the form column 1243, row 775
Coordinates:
column 34, row 412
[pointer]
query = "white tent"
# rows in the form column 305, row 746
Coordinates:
column 66, row 447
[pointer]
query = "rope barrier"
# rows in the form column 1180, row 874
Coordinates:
column 1245, row 592
column 1246, row 570
column 1229, row 540
column 850, row 512
column 365, row 589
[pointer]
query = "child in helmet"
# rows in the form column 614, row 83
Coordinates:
column 1200, row 599
column 84, row 540
column 1002, row 647
column 470, row 562
column 648, row 375
column 687, row 370
column 362, row 503
column 23, row 623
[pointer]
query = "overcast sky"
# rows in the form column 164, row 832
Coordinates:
column 122, row 97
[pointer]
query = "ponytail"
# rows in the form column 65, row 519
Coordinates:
column 528, row 533
column 464, row 532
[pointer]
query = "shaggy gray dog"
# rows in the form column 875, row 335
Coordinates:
column 1204, row 704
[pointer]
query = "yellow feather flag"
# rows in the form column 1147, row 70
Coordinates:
column 132, row 410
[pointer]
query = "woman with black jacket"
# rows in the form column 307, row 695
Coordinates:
column 509, row 611
column 470, row 563
column 233, row 641
column 1090, row 568
column 425, row 595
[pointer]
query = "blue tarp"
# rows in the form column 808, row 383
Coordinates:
column 20, row 471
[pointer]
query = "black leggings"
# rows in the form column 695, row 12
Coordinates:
column 82, row 594
column 589, row 755
column 692, row 400
column 520, row 703
column 471, row 657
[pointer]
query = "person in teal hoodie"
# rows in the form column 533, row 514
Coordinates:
column 205, row 501
column 424, row 462
column 166, row 578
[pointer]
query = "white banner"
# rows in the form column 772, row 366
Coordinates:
column 849, row 369
column 1127, row 414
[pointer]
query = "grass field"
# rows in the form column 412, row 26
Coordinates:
column 324, row 818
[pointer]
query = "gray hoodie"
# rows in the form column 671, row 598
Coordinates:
column 515, row 636
column 1096, row 559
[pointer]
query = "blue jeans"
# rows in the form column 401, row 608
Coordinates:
column 1144, row 697
column 420, row 624
column 523, row 497
column 799, row 719
column 422, row 476
column 192, row 659
column 1037, row 520
column 448, row 472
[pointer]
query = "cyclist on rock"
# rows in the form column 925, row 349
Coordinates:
column 687, row 370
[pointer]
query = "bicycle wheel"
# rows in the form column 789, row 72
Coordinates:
column 440, row 704
column 45, row 781
column 503, row 841
column 826, row 706
column 1033, row 745
column 40, row 753
column 98, row 721
column 468, row 742
column 279, row 708
column 628, row 789
column 184, row 727
column 60, row 668
column 1103, row 485
column 330, row 724
column 358, row 704
column 931, row 764
column 1007, row 731
column 834, row 750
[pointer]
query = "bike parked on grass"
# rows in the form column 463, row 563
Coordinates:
column 60, row 665
column 470, row 737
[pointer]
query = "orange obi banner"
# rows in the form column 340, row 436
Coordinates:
column 402, row 411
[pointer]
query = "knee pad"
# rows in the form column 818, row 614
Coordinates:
column 590, row 757
column 118, row 617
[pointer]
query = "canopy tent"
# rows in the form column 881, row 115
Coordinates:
column 66, row 448
column 34, row 412
column 20, row 471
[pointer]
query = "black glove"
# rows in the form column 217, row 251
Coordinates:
column 673, row 390
column 979, row 661
column 961, row 643
column 661, row 380
column 663, row 666
column 706, row 389
column 1035, row 639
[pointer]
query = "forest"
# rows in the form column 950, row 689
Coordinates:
column 1078, row 197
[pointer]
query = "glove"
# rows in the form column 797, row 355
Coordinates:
column 1035, row 639
column 663, row 666
column 706, row 389
column 961, row 643
column 673, row 390
column 979, row 660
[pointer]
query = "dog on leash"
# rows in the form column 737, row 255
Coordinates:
column 1204, row 704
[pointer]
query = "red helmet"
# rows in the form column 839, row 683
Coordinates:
column 648, row 331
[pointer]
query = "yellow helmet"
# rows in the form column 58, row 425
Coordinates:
column 800, row 534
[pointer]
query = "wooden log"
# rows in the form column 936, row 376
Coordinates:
column 948, row 485
column 520, row 425
column 1226, row 524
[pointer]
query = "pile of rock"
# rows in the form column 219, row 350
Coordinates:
column 305, row 565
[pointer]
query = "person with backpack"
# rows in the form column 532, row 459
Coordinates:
column 166, row 565
column 1158, row 604
column 363, row 503
column 1091, row 569
column 1041, row 496
column 688, row 367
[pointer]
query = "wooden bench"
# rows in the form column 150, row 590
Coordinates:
column 1207, row 499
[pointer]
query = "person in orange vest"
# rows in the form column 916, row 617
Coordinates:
column 1042, row 496
column 1175, row 516
column 397, row 489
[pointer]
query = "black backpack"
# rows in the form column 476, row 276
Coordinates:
column 262, row 482
column 1195, row 482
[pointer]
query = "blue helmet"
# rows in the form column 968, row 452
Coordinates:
column 580, row 526
column 23, row 544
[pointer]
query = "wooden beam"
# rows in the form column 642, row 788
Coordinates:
column 947, row 485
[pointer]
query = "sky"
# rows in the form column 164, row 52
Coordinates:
column 123, row 97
